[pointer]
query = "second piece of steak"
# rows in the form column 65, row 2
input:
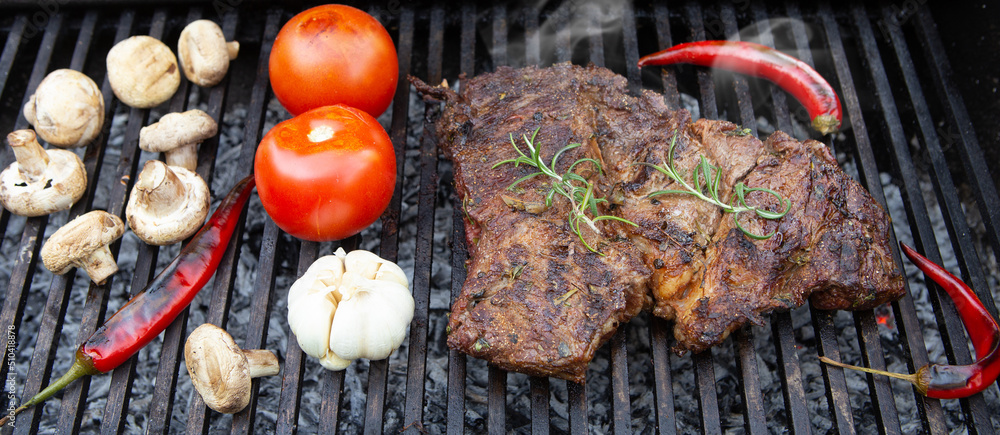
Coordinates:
column 537, row 301
column 711, row 278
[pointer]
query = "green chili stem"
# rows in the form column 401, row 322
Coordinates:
column 81, row 367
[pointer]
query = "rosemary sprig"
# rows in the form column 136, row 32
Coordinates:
column 705, row 181
column 578, row 190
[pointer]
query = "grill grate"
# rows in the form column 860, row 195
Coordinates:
column 895, row 102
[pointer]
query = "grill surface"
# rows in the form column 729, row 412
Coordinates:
column 906, row 129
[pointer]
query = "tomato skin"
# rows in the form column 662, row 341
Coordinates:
column 333, row 54
column 332, row 185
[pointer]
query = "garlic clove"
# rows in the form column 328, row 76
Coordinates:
column 371, row 320
column 363, row 263
column 323, row 274
column 333, row 362
column 370, row 266
column 392, row 273
column 313, row 316
column 331, row 277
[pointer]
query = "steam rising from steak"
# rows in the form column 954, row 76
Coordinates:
column 537, row 301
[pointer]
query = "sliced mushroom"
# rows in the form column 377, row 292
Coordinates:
column 167, row 204
column 83, row 242
column 40, row 181
column 204, row 52
column 67, row 109
column 143, row 71
column 221, row 371
column 178, row 135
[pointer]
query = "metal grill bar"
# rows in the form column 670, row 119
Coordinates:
column 57, row 301
column 94, row 311
column 123, row 376
column 173, row 339
column 6, row 63
column 30, row 244
column 620, row 396
column 456, row 359
column 659, row 331
column 753, row 419
column 424, row 251
column 389, row 246
column 906, row 313
column 879, row 388
column 497, row 400
column 846, row 34
column 781, row 323
column 708, row 399
column 835, row 381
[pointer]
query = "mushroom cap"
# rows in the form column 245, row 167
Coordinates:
column 62, row 183
column 143, row 71
column 203, row 53
column 67, row 109
column 177, row 129
column 71, row 244
column 157, row 223
column 219, row 369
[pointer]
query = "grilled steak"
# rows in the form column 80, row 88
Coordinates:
column 711, row 278
column 537, row 301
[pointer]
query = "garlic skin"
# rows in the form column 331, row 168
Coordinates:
column 349, row 306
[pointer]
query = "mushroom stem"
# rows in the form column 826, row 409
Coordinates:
column 233, row 49
column 185, row 156
column 100, row 264
column 162, row 191
column 30, row 155
column 262, row 362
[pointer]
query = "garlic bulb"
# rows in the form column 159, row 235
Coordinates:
column 348, row 306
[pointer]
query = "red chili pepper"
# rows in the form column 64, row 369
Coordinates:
column 942, row 381
column 757, row 60
column 150, row 311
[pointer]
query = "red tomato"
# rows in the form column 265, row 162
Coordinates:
column 333, row 54
column 326, row 174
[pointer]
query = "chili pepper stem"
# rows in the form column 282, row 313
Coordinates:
column 826, row 124
column 913, row 378
column 79, row 369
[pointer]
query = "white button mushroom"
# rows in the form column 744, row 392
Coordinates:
column 67, row 109
column 40, row 181
column 348, row 306
column 204, row 53
column 83, row 242
column 178, row 135
column 167, row 204
column 221, row 371
column 143, row 71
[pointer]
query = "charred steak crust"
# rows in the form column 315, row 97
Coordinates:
column 537, row 301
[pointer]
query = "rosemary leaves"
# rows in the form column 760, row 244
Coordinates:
column 705, row 181
column 574, row 187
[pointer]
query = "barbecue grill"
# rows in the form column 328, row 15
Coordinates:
column 908, row 138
